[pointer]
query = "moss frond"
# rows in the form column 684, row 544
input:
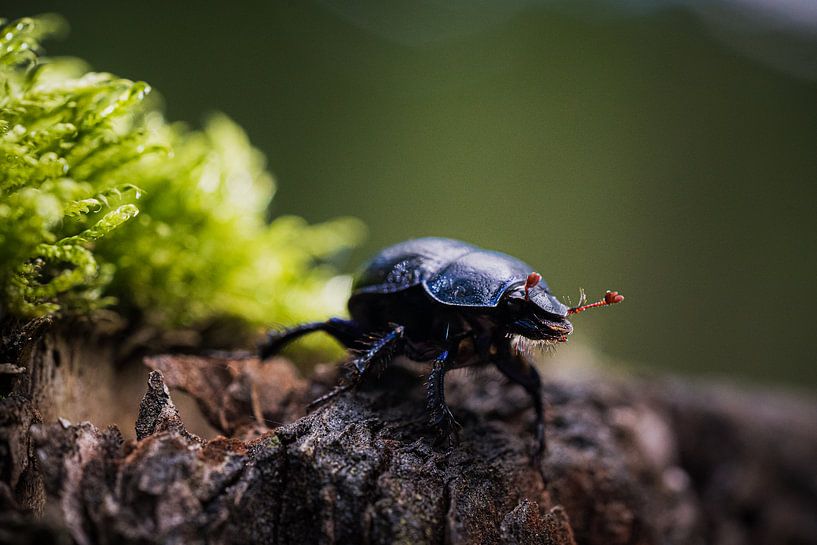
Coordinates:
column 102, row 200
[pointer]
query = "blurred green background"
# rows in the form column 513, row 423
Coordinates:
column 668, row 153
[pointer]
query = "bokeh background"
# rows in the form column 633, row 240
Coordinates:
column 666, row 149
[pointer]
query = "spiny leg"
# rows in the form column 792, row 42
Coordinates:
column 440, row 415
column 346, row 332
column 380, row 351
column 520, row 371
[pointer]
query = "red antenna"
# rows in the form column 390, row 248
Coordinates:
column 610, row 298
column 533, row 279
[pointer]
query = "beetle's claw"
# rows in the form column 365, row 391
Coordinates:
column 448, row 436
column 448, row 429
column 272, row 344
column 538, row 453
column 454, row 438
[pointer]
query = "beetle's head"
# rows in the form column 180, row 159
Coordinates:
column 538, row 322
column 529, row 319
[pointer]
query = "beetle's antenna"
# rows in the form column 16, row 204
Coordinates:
column 610, row 298
column 533, row 279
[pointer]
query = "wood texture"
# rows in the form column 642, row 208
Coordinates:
column 629, row 461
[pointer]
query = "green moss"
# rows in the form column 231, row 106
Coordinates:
column 103, row 202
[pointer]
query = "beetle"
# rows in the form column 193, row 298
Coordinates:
column 453, row 304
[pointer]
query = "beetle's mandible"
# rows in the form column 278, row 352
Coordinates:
column 430, row 297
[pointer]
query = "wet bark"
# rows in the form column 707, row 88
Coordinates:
column 629, row 460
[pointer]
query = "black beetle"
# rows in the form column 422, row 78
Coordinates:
column 451, row 303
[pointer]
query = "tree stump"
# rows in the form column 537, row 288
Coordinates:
column 629, row 461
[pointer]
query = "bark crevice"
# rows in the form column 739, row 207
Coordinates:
column 629, row 461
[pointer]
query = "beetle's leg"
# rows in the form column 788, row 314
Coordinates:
column 346, row 332
column 336, row 391
column 379, row 352
column 520, row 371
column 440, row 415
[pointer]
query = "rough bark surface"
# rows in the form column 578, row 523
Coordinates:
column 629, row 461
column 48, row 371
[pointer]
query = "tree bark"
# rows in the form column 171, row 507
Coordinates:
column 629, row 461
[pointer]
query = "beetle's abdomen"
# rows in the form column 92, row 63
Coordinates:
column 411, row 308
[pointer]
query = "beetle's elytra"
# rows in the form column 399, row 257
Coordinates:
column 423, row 298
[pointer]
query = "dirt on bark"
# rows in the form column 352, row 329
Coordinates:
column 629, row 461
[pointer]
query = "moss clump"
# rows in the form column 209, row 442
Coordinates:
column 104, row 202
